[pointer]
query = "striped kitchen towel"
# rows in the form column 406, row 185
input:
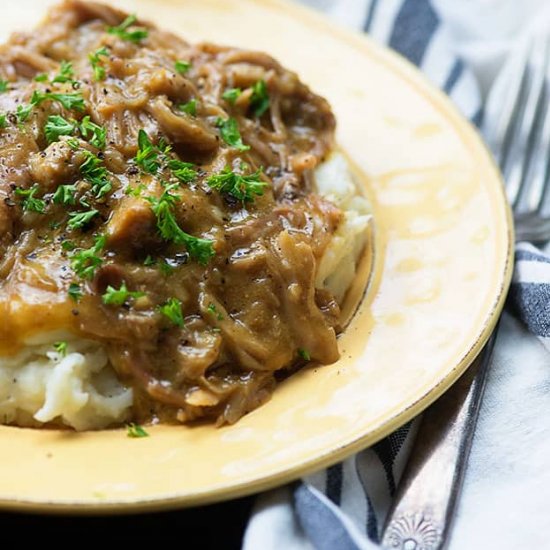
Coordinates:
column 529, row 296
column 344, row 507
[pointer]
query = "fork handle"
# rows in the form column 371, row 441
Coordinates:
column 423, row 507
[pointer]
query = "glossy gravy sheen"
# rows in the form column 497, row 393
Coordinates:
column 157, row 197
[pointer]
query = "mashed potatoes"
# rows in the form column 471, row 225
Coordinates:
column 80, row 389
column 337, row 267
column 77, row 388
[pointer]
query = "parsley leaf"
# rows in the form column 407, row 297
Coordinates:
column 77, row 220
column 96, row 133
column 149, row 261
column 190, row 107
column 74, row 292
column 121, row 31
column 57, row 126
column 23, row 112
column 3, row 122
column 73, row 143
column 182, row 66
column 259, row 101
column 232, row 94
column 61, row 348
column 3, row 85
column 94, row 172
column 200, row 249
column 164, row 147
column 66, row 73
column 42, row 77
column 229, row 131
column 151, row 158
column 68, row 245
column 304, row 354
column 69, row 101
column 30, row 203
column 147, row 155
column 244, row 188
column 95, row 61
column 214, row 311
column 135, row 191
column 172, row 310
column 85, row 262
column 65, row 194
column 136, row 431
column 183, row 171
column 115, row 297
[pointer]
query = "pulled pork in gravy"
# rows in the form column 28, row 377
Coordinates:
column 157, row 197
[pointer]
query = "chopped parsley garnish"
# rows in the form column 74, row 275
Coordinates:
column 259, row 99
column 135, row 431
column 304, row 354
column 77, row 220
column 183, row 171
column 68, row 245
column 23, row 112
column 136, row 36
column 182, row 66
column 190, row 107
column 94, row 172
column 92, row 165
column 3, row 85
column 149, row 261
column 66, row 73
column 151, row 158
column 232, row 94
column 69, row 101
column 92, row 132
column 61, row 348
column 229, row 130
column 115, row 297
column 135, row 191
column 172, row 310
column 164, row 147
column 57, row 126
column 95, row 61
column 199, row 249
column 244, row 188
column 85, row 262
column 84, row 201
column 75, row 292
column 147, row 157
column 30, row 202
column 259, row 102
column 73, row 143
column 3, row 121
column 65, row 194
column 214, row 311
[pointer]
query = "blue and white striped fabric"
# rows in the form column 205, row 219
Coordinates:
column 344, row 507
column 529, row 296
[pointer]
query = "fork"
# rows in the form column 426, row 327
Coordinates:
column 516, row 128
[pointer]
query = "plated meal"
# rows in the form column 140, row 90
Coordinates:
column 442, row 235
column 177, row 228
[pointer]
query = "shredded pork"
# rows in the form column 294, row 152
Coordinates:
column 209, row 321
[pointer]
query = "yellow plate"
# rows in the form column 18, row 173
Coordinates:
column 443, row 265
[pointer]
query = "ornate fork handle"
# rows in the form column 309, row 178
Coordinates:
column 424, row 504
